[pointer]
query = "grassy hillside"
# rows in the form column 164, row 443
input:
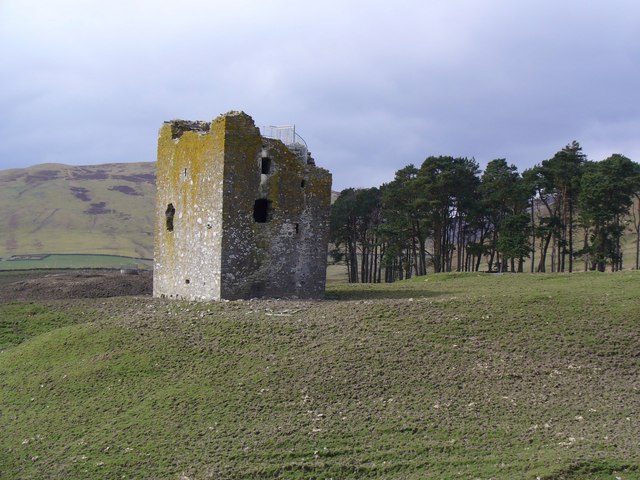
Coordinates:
column 103, row 209
column 445, row 376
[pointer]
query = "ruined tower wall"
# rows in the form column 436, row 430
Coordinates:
column 283, row 187
column 251, row 216
column 285, row 255
column 312, row 261
column 190, row 172
column 243, row 252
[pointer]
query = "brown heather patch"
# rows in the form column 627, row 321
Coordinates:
column 81, row 193
column 137, row 178
column 98, row 209
column 41, row 176
column 126, row 189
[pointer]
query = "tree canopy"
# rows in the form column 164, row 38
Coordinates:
column 448, row 215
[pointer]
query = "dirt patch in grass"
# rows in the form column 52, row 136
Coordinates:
column 75, row 284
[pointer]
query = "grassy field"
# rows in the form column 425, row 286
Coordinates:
column 62, row 261
column 444, row 376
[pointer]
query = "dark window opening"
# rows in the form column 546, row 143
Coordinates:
column 187, row 281
column 257, row 290
column 302, row 183
column 297, row 228
column 261, row 210
column 266, row 166
column 185, row 173
column 169, row 213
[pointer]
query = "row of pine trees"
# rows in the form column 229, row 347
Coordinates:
column 447, row 215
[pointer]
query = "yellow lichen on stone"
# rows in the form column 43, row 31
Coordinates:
column 242, row 229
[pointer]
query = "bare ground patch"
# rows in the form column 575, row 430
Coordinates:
column 38, row 286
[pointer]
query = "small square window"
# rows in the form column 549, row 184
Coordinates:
column 261, row 210
column 266, row 166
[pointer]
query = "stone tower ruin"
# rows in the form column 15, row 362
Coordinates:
column 238, row 215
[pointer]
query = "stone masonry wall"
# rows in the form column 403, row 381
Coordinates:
column 190, row 178
column 253, row 221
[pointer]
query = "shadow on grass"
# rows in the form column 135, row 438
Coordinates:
column 379, row 292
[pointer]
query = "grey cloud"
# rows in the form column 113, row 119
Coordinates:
column 371, row 86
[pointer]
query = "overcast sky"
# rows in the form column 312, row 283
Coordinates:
column 371, row 85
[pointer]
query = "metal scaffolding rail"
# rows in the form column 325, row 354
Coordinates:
column 287, row 135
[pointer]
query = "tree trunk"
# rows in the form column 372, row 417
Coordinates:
column 423, row 256
column 571, row 234
column 436, row 250
column 637, row 247
column 353, row 255
column 601, row 261
column 636, row 222
column 364, row 263
column 587, row 256
column 374, row 270
column 619, row 245
column 492, row 256
column 459, row 243
column 562, row 243
column 347, row 261
column 414, row 253
column 533, row 235
column 542, row 267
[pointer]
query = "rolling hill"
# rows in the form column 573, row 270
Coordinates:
column 441, row 377
column 98, row 209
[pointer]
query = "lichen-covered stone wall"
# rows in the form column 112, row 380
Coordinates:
column 190, row 172
column 251, row 218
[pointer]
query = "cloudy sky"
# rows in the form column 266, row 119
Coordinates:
column 371, row 85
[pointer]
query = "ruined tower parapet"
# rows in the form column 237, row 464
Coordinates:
column 238, row 215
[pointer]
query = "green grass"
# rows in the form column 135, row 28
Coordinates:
column 20, row 322
column 62, row 261
column 445, row 376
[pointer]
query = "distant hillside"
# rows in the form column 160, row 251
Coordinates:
column 53, row 208
column 99, row 209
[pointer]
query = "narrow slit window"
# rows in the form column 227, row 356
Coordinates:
column 262, row 210
column 169, row 214
column 266, row 166
column 297, row 226
column 303, row 183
